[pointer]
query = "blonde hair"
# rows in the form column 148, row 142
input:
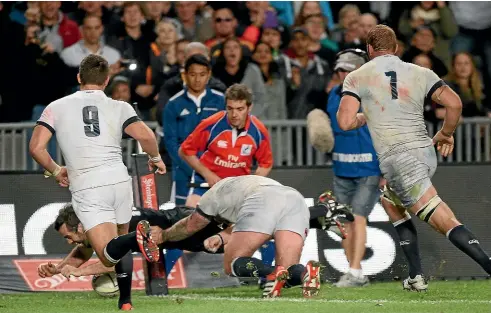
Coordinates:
column 474, row 84
column 382, row 38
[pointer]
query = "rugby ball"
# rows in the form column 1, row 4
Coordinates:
column 105, row 285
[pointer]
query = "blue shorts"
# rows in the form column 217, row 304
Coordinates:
column 360, row 193
column 182, row 191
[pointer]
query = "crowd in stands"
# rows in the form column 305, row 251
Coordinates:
column 283, row 51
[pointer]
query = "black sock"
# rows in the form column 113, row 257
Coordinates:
column 120, row 246
column 463, row 239
column 250, row 267
column 124, row 273
column 295, row 275
column 318, row 211
column 408, row 240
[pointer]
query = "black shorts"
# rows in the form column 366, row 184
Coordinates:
column 166, row 218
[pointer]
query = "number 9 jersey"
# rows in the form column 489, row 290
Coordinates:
column 89, row 128
column 392, row 94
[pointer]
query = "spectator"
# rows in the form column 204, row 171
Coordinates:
column 401, row 48
column 310, row 75
column 175, row 84
column 367, row 22
column 225, row 26
column 423, row 42
column 287, row 9
column 154, row 13
column 163, row 65
column 91, row 43
column 273, row 34
column 465, row 80
column 119, row 89
column 85, row 8
column 352, row 37
column 320, row 44
column 181, row 53
column 474, row 32
column 129, row 37
column 423, row 60
column 232, row 68
column 275, row 93
column 436, row 15
column 348, row 14
column 56, row 28
column 194, row 27
column 184, row 112
column 357, row 173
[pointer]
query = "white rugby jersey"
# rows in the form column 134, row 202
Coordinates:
column 392, row 94
column 89, row 128
column 225, row 198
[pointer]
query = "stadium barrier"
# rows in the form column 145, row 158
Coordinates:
column 289, row 144
column 29, row 204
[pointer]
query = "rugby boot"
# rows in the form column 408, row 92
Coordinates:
column 418, row 283
column 274, row 282
column 311, row 279
column 336, row 215
column 147, row 246
column 349, row 280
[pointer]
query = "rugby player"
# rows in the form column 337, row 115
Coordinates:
column 89, row 127
column 260, row 209
column 392, row 94
column 68, row 225
column 229, row 142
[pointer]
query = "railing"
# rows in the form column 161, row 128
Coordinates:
column 289, row 143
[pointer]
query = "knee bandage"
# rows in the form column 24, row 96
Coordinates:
column 429, row 208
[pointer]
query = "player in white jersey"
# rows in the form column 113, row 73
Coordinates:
column 261, row 209
column 392, row 94
column 89, row 128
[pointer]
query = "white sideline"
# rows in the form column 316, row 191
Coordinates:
column 300, row 300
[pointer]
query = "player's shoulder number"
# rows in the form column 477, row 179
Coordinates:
column 90, row 116
column 393, row 84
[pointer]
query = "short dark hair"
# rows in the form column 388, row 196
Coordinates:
column 67, row 216
column 196, row 59
column 238, row 92
column 129, row 4
column 93, row 70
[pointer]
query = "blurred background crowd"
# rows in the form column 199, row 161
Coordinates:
column 283, row 51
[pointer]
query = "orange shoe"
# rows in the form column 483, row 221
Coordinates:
column 274, row 282
column 311, row 279
column 127, row 307
column 145, row 242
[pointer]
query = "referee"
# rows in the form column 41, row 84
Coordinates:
column 356, row 169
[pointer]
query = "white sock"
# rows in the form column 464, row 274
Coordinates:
column 358, row 273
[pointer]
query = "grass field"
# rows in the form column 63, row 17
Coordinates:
column 443, row 297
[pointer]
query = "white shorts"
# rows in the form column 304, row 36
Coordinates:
column 105, row 204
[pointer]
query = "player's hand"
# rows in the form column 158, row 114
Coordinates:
column 213, row 243
column 62, row 178
column 382, row 183
column 47, row 270
column 212, row 178
column 444, row 143
column 158, row 168
column 69, row 270
column 157, row 234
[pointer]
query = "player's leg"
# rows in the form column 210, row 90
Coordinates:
column 290, row 234
column 366, row 195
column 237, row 258
column 430, row 208
column 344, row 190
column 124, row 268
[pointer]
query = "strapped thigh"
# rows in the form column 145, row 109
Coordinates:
column 429, row 208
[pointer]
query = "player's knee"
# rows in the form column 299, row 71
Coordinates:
column 106, row 259
column 428, row 209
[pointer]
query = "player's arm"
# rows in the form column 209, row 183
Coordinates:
column 37, row 148
column 185, row 227
column 263, row 155
column 78, row 256
column 347, row 116
column 139, row 131
column 445, row 96
column 92, row 269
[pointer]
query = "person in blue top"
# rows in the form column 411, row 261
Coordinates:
column 184, row 111
column 357, row 176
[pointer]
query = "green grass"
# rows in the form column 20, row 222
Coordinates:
column 443, row 297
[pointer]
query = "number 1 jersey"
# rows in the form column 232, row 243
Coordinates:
column 89, row 128
column 392, row 94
